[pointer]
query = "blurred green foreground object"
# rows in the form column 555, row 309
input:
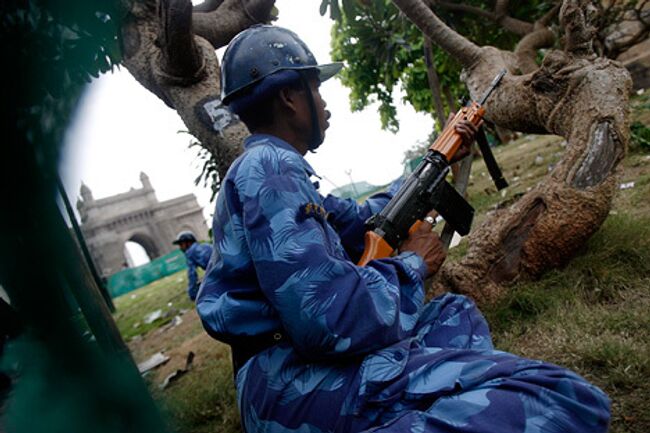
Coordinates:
column 68, row 369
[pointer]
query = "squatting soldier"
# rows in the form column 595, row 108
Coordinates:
column 196, row 254
column 320, row 344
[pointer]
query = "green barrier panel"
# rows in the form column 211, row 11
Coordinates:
column 130, row 279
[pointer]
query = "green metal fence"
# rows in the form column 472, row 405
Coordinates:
column 130, row 279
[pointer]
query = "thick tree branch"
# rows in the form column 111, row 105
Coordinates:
column 232, row 16
column 526, row 50
column 501, row 7
column 466, row 52
column 641, row 20
column 181, row 61
column 451, row 101
column 208, row 6
column 549, row 16
column 514, row 25
column 540, row 37
column 434, row 81
column 507, row 22
column 575, row 19
column 464, row 8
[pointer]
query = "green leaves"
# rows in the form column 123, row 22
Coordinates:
column 640, row 137
column 335, row 9
column 349, row 7
column 383, row 50
column 323, row 7
column 55, row 49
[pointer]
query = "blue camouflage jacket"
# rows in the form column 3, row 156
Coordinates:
column 197, row 254
column 279, row 264
column 363, row 350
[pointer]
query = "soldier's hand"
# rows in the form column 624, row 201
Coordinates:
column 427, row 245
column 467, row 130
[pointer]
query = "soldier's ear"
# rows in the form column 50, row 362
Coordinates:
column 289, row 99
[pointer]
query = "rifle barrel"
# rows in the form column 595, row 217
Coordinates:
column 493, row 85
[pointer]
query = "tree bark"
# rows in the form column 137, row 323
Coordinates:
column 434, row 83
column 165, row 53
column 526, row 50
column 574, row 94
column 458, row 46
column 499, row 15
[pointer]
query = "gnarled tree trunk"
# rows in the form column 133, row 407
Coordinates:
column 575, row 94
column 169, row 47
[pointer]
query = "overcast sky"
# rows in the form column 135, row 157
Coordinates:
column 122, row 129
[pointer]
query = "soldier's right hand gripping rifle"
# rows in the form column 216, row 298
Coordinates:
column 426, row 189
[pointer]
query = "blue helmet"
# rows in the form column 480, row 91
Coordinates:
column 266, row 57
column 184, row 236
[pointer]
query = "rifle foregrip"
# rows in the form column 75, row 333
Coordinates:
column 449, row 140
column 375, row 248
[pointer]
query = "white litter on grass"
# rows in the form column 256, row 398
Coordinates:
column 153, row 316
column 177, row 320
column 179, row 372
column 626, row 185
column 153, row 362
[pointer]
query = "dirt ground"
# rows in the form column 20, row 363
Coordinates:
column 177, row 342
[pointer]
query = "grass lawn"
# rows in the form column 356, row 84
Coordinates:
column 167, row 294
column 592, row 317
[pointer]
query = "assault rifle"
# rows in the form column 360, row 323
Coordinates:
column 426, row 188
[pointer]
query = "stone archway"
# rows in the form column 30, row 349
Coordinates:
column 147, row 243
column 137, row 245
column 137, row 215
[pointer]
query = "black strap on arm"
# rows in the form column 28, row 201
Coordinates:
column 490, row 162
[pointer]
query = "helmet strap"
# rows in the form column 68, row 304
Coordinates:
column 316, row 138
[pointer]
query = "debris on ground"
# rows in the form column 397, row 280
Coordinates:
column 153, row 362
column 626, row 185
column 153, row 316
column 177, row 320
column 178, row 373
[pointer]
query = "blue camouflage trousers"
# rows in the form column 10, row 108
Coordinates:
column 446, row 378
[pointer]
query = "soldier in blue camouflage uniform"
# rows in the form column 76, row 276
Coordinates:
column 196, row 255
column 322, row 345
